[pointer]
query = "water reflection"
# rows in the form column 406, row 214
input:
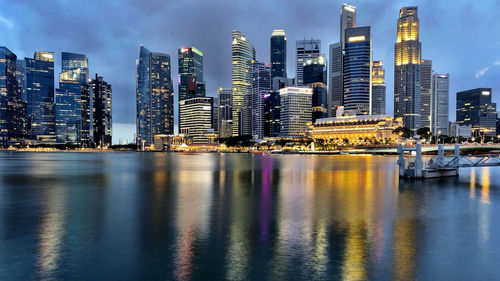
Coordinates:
column 159, row 216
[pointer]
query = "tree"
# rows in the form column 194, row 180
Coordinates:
column 403, row 132
column 424, row 132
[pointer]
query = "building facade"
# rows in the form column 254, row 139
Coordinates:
column 295, row 111
column 190, row 74
column 315, row 78
column 335, row 89
column 225, row 97
column 11, row 102
column 407, row 69
column 439, row 104
column 475, row 108
column 242, row 54
column 425, row 93
column 378, row 88
column 278, row 54
column 356, row 129
column 102, row 122
column 357, row 72
column 305, row 50
column 40, row 113
column 73, row 103
column 261, row 86
column 155, row 96
column 196, row 121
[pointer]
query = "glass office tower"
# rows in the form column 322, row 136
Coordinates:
column 261, row 86
column 357, row 63
column 40, row 96
column 305, row 50
column 475, row 108
column 278, row 54
column 425, row 93
column 154, row 93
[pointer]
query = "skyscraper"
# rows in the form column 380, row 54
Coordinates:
column 378, row 88
column 242, row 54
column 11, row 103
column 347, row 20
column 315, row 78
column 335, row 78
column 475, row 108
column 72, row 105
column 335, row 90
column 190, row 81
column 261, row 86
column 425, row 92
column 439, row 103
column 101, row 112
column 305, row 49
column 296, row 111
column 278, row 54
column 225, row 112
column 155, row 96
column 19, row 122
column 197, row 119
column 40, row 96
column 357, row 72
column 407, row 71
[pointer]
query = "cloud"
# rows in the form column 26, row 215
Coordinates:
column 6, row 22
column 483, row 71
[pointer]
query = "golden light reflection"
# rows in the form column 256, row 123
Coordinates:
column 485, row 185
column 472, row 183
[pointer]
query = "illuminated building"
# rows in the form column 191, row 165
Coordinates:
column 407, row 71
column 355, row 128
column 225, row 112
column 12, row 107
column 72, row 103
column 190, row 79
column 40, row 97
column 261, row 86
column 439, row 103
column 196, row 119
column 215, row 117
column 101, row 112
column 425, row 93
column 278, row 54
column 168, row 142
column 335, row 79
column 475, row 108
column 242, row 54
column 357, row 73
column 295, row 111
column 305, row 50
column 18, row 104
column 155, row 96
column 315, row 78
column 378, row 88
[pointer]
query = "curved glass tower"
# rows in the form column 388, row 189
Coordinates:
column 242, row 55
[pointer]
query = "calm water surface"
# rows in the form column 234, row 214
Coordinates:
column 155, row 216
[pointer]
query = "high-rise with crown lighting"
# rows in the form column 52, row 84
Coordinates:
column 407, row 69
column 242, row 55
column 378, row 88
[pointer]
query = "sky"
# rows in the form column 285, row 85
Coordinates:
column 460, row 37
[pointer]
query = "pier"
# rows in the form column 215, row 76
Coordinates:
column 440, row 166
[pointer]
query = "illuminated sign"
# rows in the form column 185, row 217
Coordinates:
column 350, row 8
column 47, row 55
column 485, row 93
column 356, row 38
column 207, row 108
column 184, row 50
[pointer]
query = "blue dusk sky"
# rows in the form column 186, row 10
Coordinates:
column 460, row 37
